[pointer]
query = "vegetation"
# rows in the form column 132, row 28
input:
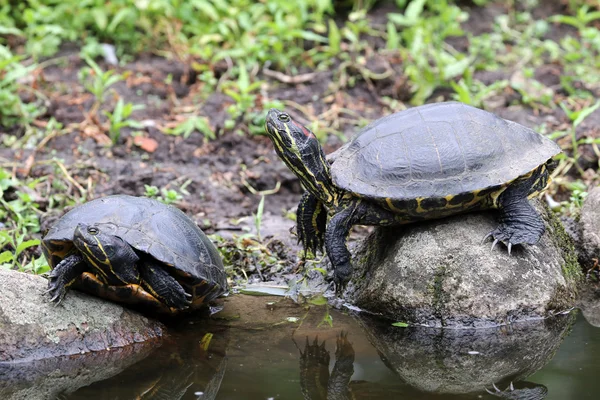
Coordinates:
column 337, row 63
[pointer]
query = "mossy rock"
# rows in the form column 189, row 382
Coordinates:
column 439, row 273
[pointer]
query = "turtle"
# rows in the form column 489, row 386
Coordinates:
column 134, row 250
column 423, row 163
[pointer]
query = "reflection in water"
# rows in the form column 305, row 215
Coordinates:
column 188, row 368
column 367, row 361
column 464, row 361
column 525, row 391
column 55, row 377
column 315, row 381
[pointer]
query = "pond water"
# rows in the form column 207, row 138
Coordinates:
column 274, row 349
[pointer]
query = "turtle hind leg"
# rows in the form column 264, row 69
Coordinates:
column 64, row 275
column 311, row 220
column 519, row 221
column 163, row 286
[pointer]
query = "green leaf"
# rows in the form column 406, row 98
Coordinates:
column 456, row 68
column 100, row 18
column 120, row 16
column 334, row 37
column 308, row 35
column 318, row 301
column 414, row 9
column 6, row 256
column 393, row 39
column 583, row 114
column 259, row 215
column 25, row 245
column 400, row 324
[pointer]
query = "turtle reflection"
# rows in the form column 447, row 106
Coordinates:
column 469, row 361
column 315, row 380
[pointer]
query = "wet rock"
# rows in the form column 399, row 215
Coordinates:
column 589, row 223
column 458, row 361
column 58, row 376
column 32, row 328
column 589, row 304
column 439, row 274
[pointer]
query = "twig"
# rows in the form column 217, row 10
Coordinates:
column 296, row 79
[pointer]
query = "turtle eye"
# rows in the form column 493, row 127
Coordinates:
column 284, row 117
column 92, row 230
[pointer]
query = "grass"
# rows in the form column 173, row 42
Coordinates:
column 249, row 52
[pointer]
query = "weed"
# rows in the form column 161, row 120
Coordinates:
column 430, row 61
column 119, row 119
column 97, row 82
column 12, row 108
column 189, row 125
column 164, row 195
column 577, row 117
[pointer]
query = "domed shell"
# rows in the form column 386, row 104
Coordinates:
column 161, row 230
column 437, row 150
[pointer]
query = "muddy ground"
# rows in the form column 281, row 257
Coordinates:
column 221, row 171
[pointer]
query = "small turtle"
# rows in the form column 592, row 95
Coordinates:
column 134, row 250
column 424, row 163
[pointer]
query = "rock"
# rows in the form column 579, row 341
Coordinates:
column 589, row 244
column 440, row 274
column 32, row 328
column 589, row 304
column 52, row 378
column 459, row 361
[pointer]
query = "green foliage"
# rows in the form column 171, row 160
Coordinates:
column 211, row 29
column 577, row 117
column 191, row 124
column 164, row 195
column 19, row 217
column 96, row 81
column 430, row 61
column 12, row 108
column 119, row 119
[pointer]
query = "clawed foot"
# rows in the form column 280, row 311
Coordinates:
column 310, row 243
column 179, row 299
column 341, row 276
column 511, row 236
column 56, row 289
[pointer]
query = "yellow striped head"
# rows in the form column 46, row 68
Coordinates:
column 300, row 150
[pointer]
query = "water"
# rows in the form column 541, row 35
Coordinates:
column 257, row 353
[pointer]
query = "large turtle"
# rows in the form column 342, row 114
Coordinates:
column 426, row 162
column 134, row 250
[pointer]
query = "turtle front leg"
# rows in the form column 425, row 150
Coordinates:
column 64, row 275
column 519, row 221
column 311, row 219
column 163, row 286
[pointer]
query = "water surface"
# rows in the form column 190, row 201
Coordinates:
column 278, row 350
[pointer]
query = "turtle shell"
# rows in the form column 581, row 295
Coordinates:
column 149, row 226
column 437, row 150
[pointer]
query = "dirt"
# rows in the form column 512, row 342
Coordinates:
column 219, row 175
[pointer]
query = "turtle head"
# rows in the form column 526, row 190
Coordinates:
column 300, row 150
column 109, row 255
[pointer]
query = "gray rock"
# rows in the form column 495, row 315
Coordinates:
column 462, row 361
column 589, row 246
column 32, row 328
column 439, row 274
column 589, row 303
column 53, row 377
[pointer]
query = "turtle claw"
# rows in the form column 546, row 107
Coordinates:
column 509, row 247
column 494, row 243
column 486, row 237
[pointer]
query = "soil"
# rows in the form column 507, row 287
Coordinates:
column 217, row 174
